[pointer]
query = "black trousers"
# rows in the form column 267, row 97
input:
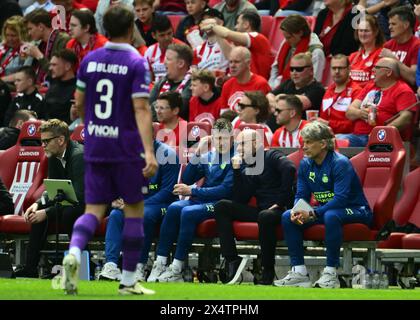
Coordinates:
column 227, row 211
column 66, row 216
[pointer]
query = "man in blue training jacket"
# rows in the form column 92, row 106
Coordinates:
column 157, row 200
column 182, row 217
column 330, row 177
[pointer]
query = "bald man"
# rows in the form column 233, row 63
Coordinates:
column 268, row 176
column 242, row 79
column 247, row 34
column 390, row 96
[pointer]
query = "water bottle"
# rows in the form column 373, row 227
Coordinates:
column 376, row 279
column 372, row 115
column 367, row 281
column 384, row 284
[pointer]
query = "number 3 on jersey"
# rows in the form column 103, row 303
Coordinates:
column 106, row 88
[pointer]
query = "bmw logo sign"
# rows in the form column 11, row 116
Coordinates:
column 381, row 135
column 195, row 131
column 31, row 130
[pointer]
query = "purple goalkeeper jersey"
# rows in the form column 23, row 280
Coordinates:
column 111, row 77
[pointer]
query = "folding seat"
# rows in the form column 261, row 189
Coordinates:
column 264, row 132
column 276, row 36
column 380, row 168
column 311, row 21
column 78, row 134
column 175, row 20
column 342, row 143
column 327, row 76
column 407, row 210
column 411, row 206
column 23, row 169
column 266, row 24
column 195, row 131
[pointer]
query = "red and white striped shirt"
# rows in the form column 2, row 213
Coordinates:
column 288, row 139
column 156, row 58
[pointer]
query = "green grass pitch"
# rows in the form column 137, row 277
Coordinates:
column 31, row 289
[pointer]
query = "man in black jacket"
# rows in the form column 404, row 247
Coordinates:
column 65, row 161
column 59, row 96
column 6, row 200
column 27, row 96
column 269, row 177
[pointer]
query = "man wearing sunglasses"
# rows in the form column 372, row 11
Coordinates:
column 302, row 83
column 389, row 95
column 65, row 161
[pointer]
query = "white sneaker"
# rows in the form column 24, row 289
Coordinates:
column 328, row 280
column 110, row 271
column 172, row 274
column 140, row 272
column 157, row 270
column 294, row 279
column 70, row 274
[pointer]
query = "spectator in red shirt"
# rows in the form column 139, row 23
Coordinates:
column 85, row 37
column 339, row 96
column 390, row 96
column 172, row 127
column 205, row 103
column 403, row 46
column 288, row 114
column 247, row 34
column 297, row 39
column 371, row 39
column 242, row 79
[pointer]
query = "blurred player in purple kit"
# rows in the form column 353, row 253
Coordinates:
column 112, row 98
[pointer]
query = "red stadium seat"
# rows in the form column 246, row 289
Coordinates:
column 379, row 167
column 411, row 241
column 260, row 129
column 196, row 131
column 327, row 76
column 296, row 157
column 266, row 25
column 175, row 20
column 78, row 134
column 408, row 207
column 23, row 169
column 276, row 36
column 212, row 3
column 311, row 21
column 342, row 143
column 24, row 166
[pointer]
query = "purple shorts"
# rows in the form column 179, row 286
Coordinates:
column 105, row 182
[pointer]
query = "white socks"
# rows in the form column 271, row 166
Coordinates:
column 76, row 252
column 330, row 269
column 300, row 269
column 128, row 278
column 178, row 264
column 162, row 260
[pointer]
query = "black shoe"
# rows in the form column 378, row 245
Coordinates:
column 26, row 273
column 234, row 270
column 266, row 279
